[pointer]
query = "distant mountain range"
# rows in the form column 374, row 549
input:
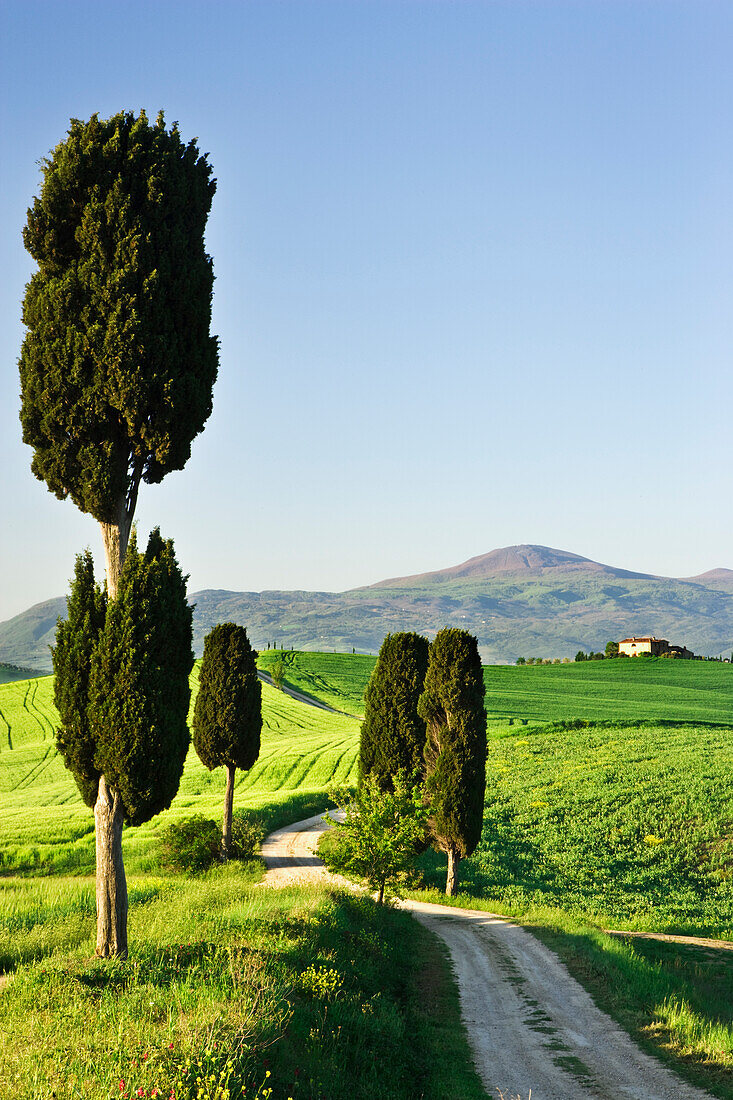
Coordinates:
column 529, row 601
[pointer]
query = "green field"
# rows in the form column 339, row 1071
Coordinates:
column 686, row 691
column 304, row 750
column 588, row 825
column 338, row 679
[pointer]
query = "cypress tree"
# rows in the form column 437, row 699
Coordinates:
column 117, row 365
column 139, row 690
column 393, row 733
column 452, row 706
column 122, row 671
column 227, row 717
column 76, row 639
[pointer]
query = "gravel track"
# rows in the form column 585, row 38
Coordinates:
column 531, row 1026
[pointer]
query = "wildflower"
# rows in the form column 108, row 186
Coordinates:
column 122, row 1086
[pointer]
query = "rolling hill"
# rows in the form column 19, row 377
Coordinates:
column 519, row 601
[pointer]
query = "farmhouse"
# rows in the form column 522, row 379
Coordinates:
column 657, row 647
column 633, row 646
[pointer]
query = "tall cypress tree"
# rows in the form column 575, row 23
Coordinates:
column 452, row 706
column 393, row 733
column 117, row 366
column 227, row 717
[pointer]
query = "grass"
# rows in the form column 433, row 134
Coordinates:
column 337, row 679
column 301, row 991
column 685, row 691
column 655, row 687
column 304, row 751
column 626, row 825
column 588, row 825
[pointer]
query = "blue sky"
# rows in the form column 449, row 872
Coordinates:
column 474, row 279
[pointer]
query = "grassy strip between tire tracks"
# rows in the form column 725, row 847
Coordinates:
column 230, row 990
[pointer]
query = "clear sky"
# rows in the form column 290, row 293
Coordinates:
column 474, row 279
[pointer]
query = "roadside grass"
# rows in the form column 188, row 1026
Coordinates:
column 337, row 679
column 627, row 825
column 303, row 991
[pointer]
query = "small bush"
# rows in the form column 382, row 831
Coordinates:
column 247, row 835
column 191, row 844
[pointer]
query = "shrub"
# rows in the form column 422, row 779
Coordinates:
column 247, row 835
column 192, row 844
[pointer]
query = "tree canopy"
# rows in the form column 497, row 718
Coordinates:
column 227, row 717
column 117, row 366
column 139, row 688
column 393, row 733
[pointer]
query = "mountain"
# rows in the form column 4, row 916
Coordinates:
column 525, row 560
column 720, row 579
column 529, row 600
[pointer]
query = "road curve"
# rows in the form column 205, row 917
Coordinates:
column 531, row 1026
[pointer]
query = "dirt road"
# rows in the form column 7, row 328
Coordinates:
column 530, row 1025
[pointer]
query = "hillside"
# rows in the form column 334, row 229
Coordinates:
column 519, row 601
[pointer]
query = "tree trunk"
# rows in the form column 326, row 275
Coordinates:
column 111, row 883
column 380, row 899
column 116, row 536
column 451, row 885
column 226, row 830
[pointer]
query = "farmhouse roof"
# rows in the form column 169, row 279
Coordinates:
column 641, row 638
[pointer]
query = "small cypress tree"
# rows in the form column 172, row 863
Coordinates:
column 122, row 686
column 227, row 717
column 76, row 638
column 452, row 706
column 393, row 733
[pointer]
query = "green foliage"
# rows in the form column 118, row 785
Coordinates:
column 277, row 672
column 248, row 832
column 139, row 690
column 227, row 717
column 611, row 649
column 452, row 706
column 381, row 834
column 117, row 365
column 191, row 844
column 393, row 733
column 76, row 639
